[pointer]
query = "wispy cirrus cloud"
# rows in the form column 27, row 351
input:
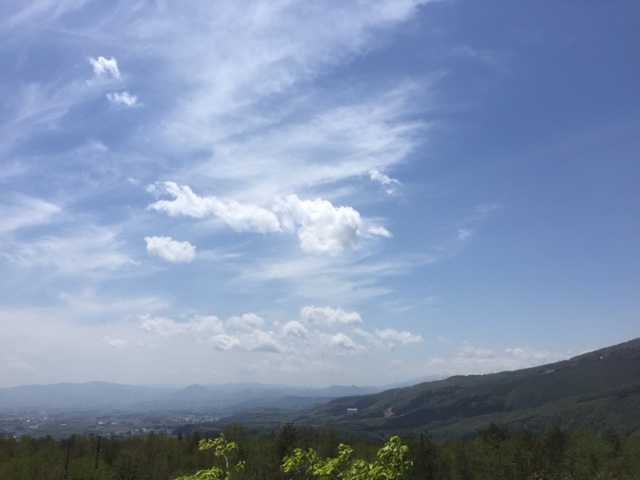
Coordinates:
column 264, row 60
column 92, row 251
column 24, row 211
column 167, row 327
column 39, row 11
column 389, row 184
column 325, row 144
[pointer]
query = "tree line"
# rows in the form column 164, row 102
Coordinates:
column 304, row 453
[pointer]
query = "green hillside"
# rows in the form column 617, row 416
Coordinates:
column 595, row 391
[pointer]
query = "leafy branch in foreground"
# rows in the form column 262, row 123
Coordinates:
column 222, row 449
column 390, row 464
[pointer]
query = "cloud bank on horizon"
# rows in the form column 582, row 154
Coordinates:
column 314, row 193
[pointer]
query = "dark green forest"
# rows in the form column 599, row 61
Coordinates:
column 494, row 452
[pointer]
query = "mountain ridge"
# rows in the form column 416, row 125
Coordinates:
column 592, row 390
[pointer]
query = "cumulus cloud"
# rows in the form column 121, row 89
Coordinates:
column 470, row 359
column 531, row 357
column 262, row 341
column 122, row 99
column 238, row 216
column 342, row 344
column 248, row 321
column 403, row 337
column 280, row 343
column 331, row 317
column 105, row 66
column 294, row 329
column 254, row 341
column 320, row 226
column 171, row 250
column 223, row 342
column 468, row 351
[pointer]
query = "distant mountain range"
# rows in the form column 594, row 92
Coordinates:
column 596, row 390
column 103, row 395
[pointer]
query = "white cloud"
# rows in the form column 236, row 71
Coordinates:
column 254, row 341
column 463, row 234
column 122, row 99
column 105, row 66
column 342, row 344
column 293, row 339
column 243, row 218
column 531, row 357
column 331, row 317
column 261, row 341
column 91, row 250
column 403, row 337
column 468, row 351
column 25, row 212
column 166, row 327
column 264, row 61
column 321, row 227
column 185, row 202
column 205, row 323
column 387, row 182
column 170, row 249
column 223, row 342
column 38, row 12
column 294, row 329
column 379, row 231
column 238, row 216
column 115, row 342
column 475, row 360
column 247, row 321
column 317, row 149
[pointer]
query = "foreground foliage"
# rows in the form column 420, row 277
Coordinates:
column 293, row 453
column 222, row 450
column 390, row 464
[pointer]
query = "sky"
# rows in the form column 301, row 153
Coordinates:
column 315, row 193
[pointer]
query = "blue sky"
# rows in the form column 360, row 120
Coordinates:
column 315, row 193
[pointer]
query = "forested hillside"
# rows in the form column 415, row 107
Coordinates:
column 595, row 391
column 494, row 453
